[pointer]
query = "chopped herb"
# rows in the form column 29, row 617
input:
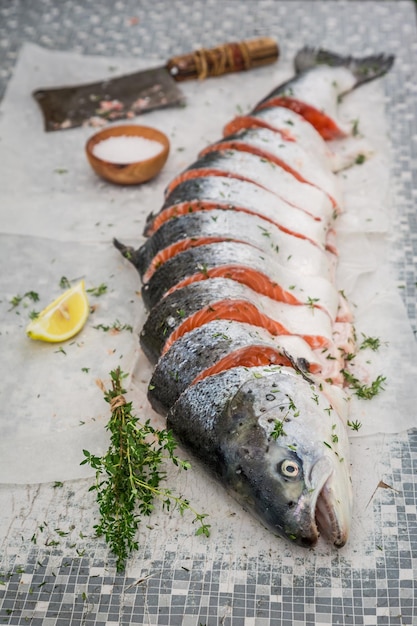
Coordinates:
column 265, row 232
column 355, row 128
column 315, row 398
column 202, row 267
column 292, row 406
column 361, row 158
column 311, row 302
column 366, row 392
column 116, row 327
column 64, row 283
column 354, row 425
column 98, row 291
column 16, row 300
column 374, row 343
column 32, row 295
column 278, row 430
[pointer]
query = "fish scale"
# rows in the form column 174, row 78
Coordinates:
column 253, row 386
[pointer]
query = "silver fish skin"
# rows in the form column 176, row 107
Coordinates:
column 292, row 483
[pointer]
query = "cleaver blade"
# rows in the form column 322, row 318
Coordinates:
column 124, row 97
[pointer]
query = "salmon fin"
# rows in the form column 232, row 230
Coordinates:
column 300, row 365
column 128, row 252
column 364, row 69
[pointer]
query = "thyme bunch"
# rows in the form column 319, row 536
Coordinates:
column 130, row 473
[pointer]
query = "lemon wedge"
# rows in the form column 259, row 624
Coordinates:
column 63, row 318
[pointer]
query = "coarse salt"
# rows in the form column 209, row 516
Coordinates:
column 125, row 149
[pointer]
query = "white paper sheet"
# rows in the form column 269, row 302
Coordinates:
column 58, row 219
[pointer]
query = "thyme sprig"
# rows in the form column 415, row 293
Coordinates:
column 366, row 392
column 130, row 473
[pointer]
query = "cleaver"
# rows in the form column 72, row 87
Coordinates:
column 126, row 96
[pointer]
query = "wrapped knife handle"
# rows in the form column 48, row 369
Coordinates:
column 230, row 57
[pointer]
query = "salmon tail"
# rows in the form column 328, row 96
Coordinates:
column 364, row 69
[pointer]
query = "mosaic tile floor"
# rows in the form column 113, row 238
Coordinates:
column 53, row 571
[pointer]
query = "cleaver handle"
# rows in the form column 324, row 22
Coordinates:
column 224, row 59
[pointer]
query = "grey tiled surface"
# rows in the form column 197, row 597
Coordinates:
column 53, row 574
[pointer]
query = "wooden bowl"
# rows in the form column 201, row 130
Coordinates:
column 128, row 173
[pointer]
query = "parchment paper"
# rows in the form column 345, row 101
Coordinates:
column 58, row 219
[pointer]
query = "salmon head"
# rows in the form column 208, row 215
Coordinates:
column 285, row 455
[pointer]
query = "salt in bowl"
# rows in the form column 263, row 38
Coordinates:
column 127, row 154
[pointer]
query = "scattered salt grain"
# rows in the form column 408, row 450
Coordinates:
column 125, row 149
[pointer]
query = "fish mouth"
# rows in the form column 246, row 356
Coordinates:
column 330, row 510
column 328, row 519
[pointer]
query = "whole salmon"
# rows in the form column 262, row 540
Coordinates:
column 247, row 330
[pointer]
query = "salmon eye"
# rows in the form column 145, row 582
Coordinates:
column 289, row 468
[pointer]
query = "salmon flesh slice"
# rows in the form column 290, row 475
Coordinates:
column 246, row 328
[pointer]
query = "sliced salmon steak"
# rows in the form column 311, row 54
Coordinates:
column 222, row 298
column 290, row 155
column 257, row 269
column 202, row 227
